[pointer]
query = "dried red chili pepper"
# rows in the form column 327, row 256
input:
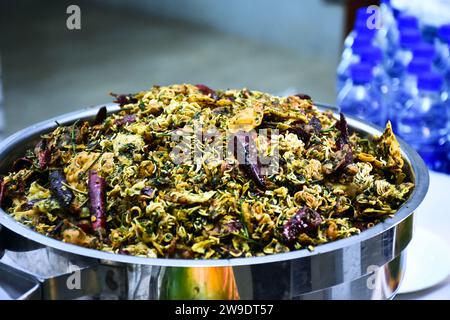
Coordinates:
column 207, row 91
column 42, row 153
column 342, row 126
column 345, row 154
column 306, row 220
column 21, row 185
column 123, row 99
column 303, row 96
column 232, row 226
column 124, row 251
column 245, row 152
column 58, row 186
column 21, row 163
column 97, row 199
column 2, row 191
column 305, row 131
column 85, row 225
column 129, row 118
column 101, row 116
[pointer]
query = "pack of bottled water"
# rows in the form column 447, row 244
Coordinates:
column 395, row 67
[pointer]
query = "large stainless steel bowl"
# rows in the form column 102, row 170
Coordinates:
column 366, row 266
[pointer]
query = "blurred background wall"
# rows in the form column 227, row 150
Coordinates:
column 125, row 46
column 312, row 27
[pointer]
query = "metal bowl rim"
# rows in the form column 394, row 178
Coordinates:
column 419, row 169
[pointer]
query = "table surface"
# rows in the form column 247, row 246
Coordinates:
column 434, row 214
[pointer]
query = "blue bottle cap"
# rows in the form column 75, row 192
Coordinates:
column 362, row 28
column 361, row 73
column 407, row 22
column 410, row 38
column 424, row 50
column 396, row 12
column 361, row 41
column 362, row 14
column 444, row 32
column 446, row 39
column 371, row 55
column 418, row 66
column 430, row 81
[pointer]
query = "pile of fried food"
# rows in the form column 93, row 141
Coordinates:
column 116, row 183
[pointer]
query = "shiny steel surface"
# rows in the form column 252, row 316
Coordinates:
column 366, row 266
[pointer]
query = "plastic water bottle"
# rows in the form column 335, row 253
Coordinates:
column 358, row 97
column 387, row 14
column 407, row 91
column 442, row 42
column 403, row 23
column 424, row 50
column 443, row 66
column 374, row 56
column 361, row 13
column 388, row 22
column 423, row 122
column 409, row 38
column 397, row 8
column 350, row 57
column 360, row 28
column 407, row 22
